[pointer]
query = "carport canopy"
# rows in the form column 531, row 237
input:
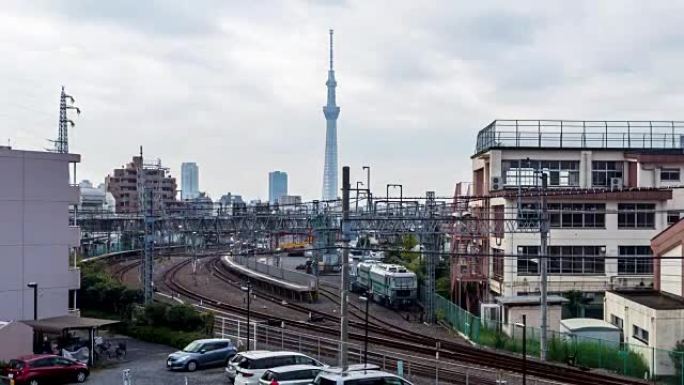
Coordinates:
column 67, row 322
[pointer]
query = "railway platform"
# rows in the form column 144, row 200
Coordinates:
column 290, row 284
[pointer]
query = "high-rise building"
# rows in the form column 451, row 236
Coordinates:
column 189, row 180
column 123, row 184
column 277, row 185
column 331, row 112
column 37, row 244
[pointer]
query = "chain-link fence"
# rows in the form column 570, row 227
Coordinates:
column 638, row 361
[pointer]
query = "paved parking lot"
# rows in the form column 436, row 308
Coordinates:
column 146, row 363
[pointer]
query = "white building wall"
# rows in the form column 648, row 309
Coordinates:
column 671, row 272
column 665, row 328
column 611, row 237
column 35, row 236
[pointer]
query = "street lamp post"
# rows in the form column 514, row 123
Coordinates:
column 34, row 286
column 248, row 289
column 523, row 325
column 368, row 187
column 365, row 298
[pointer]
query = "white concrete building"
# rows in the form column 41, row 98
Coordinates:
column 607, row 197
column 652, row 321
column 95, row 199
column 36, row 239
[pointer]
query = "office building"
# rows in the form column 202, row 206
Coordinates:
column 277, row 185
column 189, row 180
column 37, row 244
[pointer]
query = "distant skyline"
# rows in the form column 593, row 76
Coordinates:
column 238, row 86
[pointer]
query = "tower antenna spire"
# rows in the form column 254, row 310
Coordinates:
column 331, row 50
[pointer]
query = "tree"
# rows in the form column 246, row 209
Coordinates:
column 677, row 357
column 576, row 303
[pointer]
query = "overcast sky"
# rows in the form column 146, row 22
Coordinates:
column 238, row 86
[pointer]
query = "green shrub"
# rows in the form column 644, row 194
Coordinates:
column 155, row 314
column 162, row 335
column 184, row 317
column 100, row 291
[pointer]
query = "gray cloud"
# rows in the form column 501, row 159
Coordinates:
column 238, row 86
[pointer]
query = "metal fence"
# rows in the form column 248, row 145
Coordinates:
column 661, row 366
column 581, row 134
column 415, row 368
column 276, row 272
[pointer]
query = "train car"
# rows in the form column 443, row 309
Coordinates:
column 361, row 283
column 391, row 285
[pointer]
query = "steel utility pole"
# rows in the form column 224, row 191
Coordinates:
column 344, row 286
column 368, row 188
column 544, row 262
column 430, row 241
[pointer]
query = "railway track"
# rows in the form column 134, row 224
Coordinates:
column 220, row 272
column 417, row 343
column 121, row 272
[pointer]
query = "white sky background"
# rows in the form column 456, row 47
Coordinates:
column 238, row 86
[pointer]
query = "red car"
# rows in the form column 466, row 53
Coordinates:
column 45, row 369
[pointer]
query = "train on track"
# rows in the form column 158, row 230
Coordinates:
column 388, row 284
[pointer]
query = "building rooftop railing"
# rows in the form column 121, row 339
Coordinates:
column 580, row 134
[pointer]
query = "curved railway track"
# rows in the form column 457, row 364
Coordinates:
column 419, row 344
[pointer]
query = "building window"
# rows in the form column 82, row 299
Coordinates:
column 564, row 215
column 577, row 215
column 617, row 321
column 635, row 260
column 526, row 172
column 528, row 215
column 568, row 260
column 636, row 216
column 669, row 175
column 528, row 260
column 497, row 264
column 672, row 217
column 499, row 219
column 603, row 172
column 576, row 260
column 640, row 334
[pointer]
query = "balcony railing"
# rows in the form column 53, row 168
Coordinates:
column 660, row 135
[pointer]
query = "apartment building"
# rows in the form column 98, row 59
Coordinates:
column 123, row 184
column 37, row 242
column 609, row 192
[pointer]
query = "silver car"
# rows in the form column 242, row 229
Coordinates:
column 290, row 375
column 246, row 368
column 202, row 353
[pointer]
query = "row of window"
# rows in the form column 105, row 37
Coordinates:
column 564, row 215
column 584, row 260
column 589, row 215
column 525, row 172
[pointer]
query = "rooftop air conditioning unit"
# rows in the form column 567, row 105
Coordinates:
column 496, row 183
column 616, row 184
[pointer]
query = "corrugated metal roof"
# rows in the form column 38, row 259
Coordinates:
column 587, row 323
